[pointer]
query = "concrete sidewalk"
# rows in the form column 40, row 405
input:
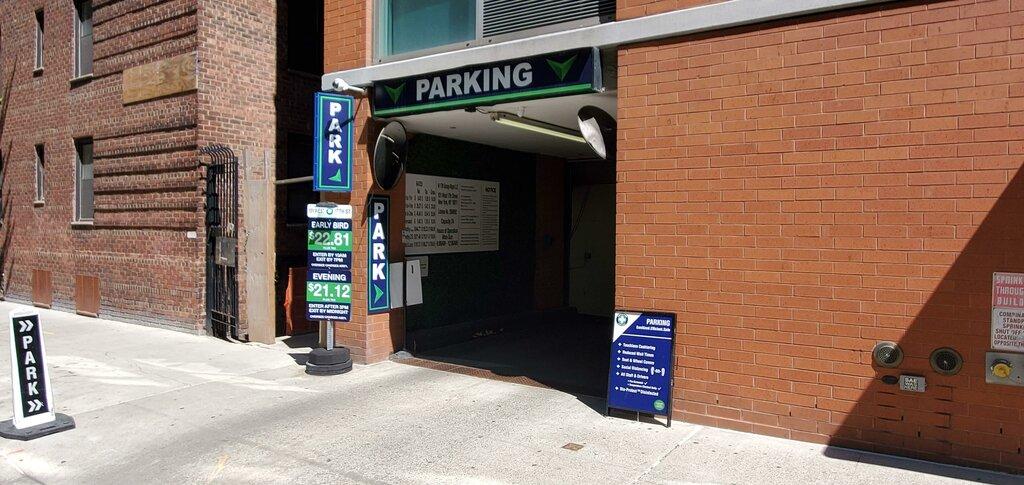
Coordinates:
column 155, row 406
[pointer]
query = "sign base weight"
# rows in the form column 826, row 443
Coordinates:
column 63, row 422
column 324, row 362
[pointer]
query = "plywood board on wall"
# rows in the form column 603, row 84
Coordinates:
column 87, row 295
column 159, row 78
column 42, row 288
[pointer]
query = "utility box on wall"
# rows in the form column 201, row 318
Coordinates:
column 1004, row 368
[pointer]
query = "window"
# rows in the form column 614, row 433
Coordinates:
column 412, row 25
column 40, row 174
column 83, row 180
column 39, row 39
column 305, row 36
column 425, row 27
column 83, row 38
column 298, row 194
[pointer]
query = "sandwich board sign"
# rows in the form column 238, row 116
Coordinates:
column 34, row 414
column 640, row 371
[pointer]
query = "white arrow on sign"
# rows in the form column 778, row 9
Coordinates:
column 34, row 405
column 26, row 325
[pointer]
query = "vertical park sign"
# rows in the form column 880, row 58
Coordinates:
column 332, row 142
column 378, row 297
column 34, row 414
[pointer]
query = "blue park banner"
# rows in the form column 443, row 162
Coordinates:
column 332, row 143
column 378, row 295
column 640, row 372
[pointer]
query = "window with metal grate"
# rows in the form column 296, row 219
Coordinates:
column 508, row 16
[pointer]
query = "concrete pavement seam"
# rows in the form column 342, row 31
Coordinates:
column 19, row 470
column 660, row 459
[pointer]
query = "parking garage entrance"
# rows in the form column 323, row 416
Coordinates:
column 514, row 233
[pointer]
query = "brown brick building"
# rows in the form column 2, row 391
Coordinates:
column 145, row 86
column 795, row 181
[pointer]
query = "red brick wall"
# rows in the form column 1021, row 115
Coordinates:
column 798, row 191
column 346, row 34
column 238, row 75
column 145, row 164
column 629, row 9
column 372, row 338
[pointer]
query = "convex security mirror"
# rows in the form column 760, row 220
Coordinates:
column 598, row 128
column 389, row 155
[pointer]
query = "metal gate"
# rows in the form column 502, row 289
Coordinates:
column 221, row 242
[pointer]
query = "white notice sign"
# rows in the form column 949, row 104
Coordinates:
column 450, row 215
column 1008, row 329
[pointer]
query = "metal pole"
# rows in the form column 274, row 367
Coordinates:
column 330, row 335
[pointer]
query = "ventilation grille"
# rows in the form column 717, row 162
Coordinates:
column 946, row 361
column 506, row 16
column 887, row 354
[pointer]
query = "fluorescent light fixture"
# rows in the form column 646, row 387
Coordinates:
column 535, row 126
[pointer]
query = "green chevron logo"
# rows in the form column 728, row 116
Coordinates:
column 394, row 93
column 562, row 68
column 377, row 293
column 336, row 177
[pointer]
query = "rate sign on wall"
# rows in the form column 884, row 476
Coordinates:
column 329, row 262
column 1008, row 311
column 450, row 215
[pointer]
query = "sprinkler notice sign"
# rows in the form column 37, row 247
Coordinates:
column 1008, row 329
column 1008, row 311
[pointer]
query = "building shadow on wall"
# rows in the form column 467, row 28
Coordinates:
column 6, row 223
column 6, row 194
column 959, row 419
column 300, row 39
